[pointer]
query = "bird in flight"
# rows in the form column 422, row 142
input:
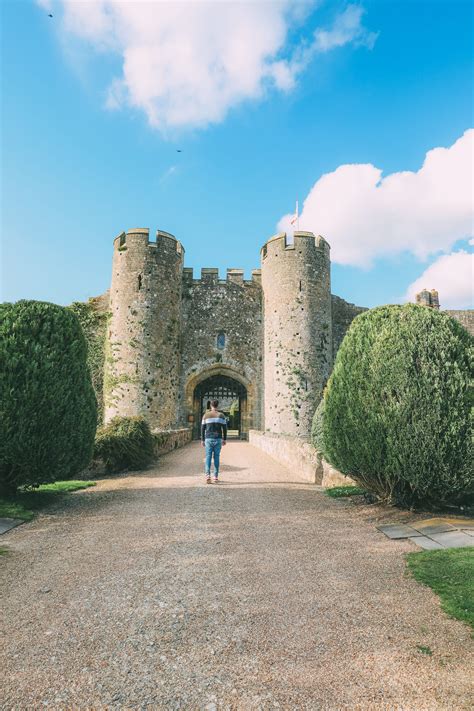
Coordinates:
column 178, row 150
column 49, row 15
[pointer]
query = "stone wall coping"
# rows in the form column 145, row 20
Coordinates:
column 138, row 231
column 171, row 431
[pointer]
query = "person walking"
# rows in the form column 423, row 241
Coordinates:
column 213, row 437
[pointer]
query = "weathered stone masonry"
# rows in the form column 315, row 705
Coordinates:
column 275, row 335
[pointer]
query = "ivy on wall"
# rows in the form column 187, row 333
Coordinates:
column 94, row 322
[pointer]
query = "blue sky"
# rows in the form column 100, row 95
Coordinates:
column 90, row 148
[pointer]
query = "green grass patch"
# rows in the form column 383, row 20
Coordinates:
column 339, row 492
column 450, row 573
column 4, row 551
column 26, row 502
column 424, row 649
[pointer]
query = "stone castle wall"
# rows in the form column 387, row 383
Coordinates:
column 343, row 313
column 465, row 318
column 232, row 310
column 297, row 330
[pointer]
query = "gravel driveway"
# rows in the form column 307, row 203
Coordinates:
column 157, row 591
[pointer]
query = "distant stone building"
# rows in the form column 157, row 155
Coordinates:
column 263, row 347
column 428, row 298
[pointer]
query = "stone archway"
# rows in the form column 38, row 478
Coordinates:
column 220, row 381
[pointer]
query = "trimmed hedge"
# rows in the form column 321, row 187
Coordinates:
column 398, row 406
column 317, row 433
column 48, row 411
column 124, row 443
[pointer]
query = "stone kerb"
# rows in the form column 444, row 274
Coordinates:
column 300, row 457
column 304, row 461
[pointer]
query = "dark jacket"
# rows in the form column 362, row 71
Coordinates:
column 214, row 426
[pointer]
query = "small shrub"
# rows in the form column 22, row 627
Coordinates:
column 124, row 443
column 317, row 433
column 48, row 410
column 398, row 406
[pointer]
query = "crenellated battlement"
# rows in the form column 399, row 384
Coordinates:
column 140, row 237
column 210, row 276
column 300, row 240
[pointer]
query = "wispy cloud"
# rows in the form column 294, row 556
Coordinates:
column 168, row 173
column 188, row 63
column 346, row 29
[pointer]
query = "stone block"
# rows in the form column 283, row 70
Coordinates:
column 398, row 530
column 426, row 543
column 452, row 539
column 6, row 524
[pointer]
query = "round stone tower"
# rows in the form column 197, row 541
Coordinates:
column 143, row 346
column 297, row 330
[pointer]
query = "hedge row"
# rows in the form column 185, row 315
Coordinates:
column 48, row 410
column 398, row 406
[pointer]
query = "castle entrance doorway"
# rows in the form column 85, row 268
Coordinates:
column 232, row 397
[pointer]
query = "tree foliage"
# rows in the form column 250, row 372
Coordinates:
column 48, row 410
column 398, row 406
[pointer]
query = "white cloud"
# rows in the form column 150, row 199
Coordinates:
column 365, row 216
column 452, row 275
column 188, row 63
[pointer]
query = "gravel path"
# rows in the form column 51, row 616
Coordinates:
column 156, row 591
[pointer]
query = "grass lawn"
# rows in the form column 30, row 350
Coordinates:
column 26, row 502
column 450, row 573
column 338, row 492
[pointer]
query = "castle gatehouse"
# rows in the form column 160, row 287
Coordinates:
column 264, row 346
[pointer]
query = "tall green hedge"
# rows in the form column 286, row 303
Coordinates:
column 398, row 406
column 48, row 411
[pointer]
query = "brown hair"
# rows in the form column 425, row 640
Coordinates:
column 214, row 403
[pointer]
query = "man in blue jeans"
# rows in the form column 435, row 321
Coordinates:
column 213, row 436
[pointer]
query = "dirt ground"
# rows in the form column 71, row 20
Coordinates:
column 156, row 591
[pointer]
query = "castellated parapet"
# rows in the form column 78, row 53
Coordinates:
column 297, row 330
column 143, row 358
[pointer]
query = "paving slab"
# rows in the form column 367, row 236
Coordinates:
column 427, row 543
column 398, row 530
column 6, row 524
column 436, row 528
column 470, row 532
column 452, row 539
column 460, row 522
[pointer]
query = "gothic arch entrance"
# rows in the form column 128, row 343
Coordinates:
column 232, row 397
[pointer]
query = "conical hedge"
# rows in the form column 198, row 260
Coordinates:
column 398, row 406
column 48, row 410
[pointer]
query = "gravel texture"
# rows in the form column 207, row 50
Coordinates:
column 157, row 591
